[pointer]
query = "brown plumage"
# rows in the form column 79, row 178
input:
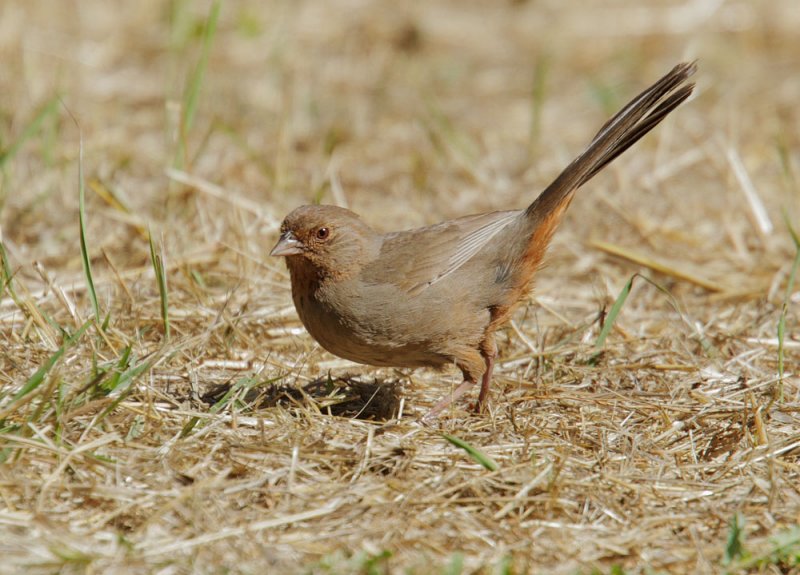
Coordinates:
column 435, row 295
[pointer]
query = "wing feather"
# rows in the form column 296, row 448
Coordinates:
column 426, row 256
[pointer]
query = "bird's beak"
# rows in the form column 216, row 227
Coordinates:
column 287, row 245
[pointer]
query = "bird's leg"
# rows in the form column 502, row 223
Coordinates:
column 483, row 396
column 473, row 363
column 448, row 399
column 489, row 352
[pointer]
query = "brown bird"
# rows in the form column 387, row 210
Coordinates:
column 436, row 295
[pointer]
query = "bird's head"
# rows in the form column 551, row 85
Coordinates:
column 333, row 240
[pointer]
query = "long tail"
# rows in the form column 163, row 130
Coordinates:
column 638, row 117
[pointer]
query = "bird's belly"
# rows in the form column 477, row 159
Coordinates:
column 371, row 340
column 374, row 350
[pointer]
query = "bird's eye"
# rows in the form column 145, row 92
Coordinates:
column 323, row 233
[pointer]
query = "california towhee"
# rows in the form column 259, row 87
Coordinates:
column 435, row 295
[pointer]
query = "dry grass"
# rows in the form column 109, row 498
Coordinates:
column 638, row 457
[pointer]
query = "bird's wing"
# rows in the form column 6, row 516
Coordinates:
column 417, row 259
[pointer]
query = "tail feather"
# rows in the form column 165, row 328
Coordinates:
column 624, row 129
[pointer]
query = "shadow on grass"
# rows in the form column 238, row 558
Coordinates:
column 341, row 397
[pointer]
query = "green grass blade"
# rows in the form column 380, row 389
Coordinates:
column 113, row 382
column 475, row 453
column 734, row 546
column 192, row 94
column 5, row 274
column 782, row 552
column 124, row 385
column 217, row 407
column 245, row 383
column 32, row 128
column 87, row 263
column 608, row 324
column 613, row 313
column 37, row 378
column 126, row 379
column 189, row 426
column 455, row 566
column 611, row 317
column 161, row 278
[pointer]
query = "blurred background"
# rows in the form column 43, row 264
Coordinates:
column 419, row 111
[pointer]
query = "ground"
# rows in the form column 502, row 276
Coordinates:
column 182, row 421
